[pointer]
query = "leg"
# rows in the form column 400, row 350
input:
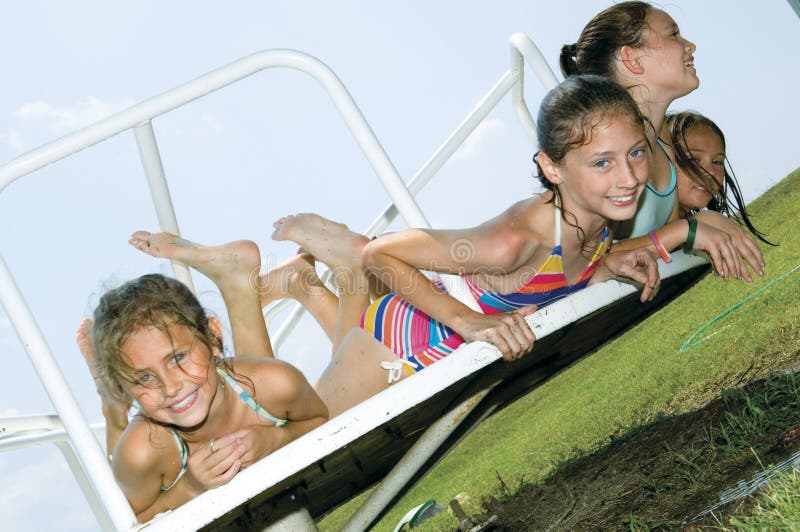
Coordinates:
column 233, row 267
column 340, row 249
column 114, row 411
column 297, row 279
column 355, row 373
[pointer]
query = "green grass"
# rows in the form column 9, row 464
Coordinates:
column 634, row 379
column 776, row 508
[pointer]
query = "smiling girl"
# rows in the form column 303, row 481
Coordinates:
column 641, row 48
column 201, row 417
column 704, row 178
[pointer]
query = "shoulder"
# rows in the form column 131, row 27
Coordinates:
column 522, row 227
column 275, row 381
column 141, row 454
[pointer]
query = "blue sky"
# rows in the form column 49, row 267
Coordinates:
column 274, row 144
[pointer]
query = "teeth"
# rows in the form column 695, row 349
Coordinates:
column 621, row 199
column 186, row 401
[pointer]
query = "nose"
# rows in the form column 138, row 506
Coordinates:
column 690, row 46
column 626, row 178
column 172, row 383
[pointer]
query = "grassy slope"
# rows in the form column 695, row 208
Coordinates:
column 635, row 378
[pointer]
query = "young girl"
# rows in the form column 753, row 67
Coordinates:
column 703, row 177
column 593, row 163
column 202, row 417
column 641, row 48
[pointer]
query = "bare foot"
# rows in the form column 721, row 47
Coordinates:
column 296, row 279
column 329, row 242
column 86, row 347
column 232, row 265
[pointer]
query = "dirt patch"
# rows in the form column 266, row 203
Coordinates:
column 665, row 474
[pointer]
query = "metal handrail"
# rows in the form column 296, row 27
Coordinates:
column 116, row 511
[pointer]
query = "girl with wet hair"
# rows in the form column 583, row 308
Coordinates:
column 201, row 417
column 593, row 160
column 642, row 49
column 705, row 178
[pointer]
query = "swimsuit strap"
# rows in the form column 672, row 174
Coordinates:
column 184, row 452
column 558, row 223
column 249, row 401
column 673, row 176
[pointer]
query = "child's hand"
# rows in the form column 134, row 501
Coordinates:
column 744, row 242
column 723, row 252
column 638, row 265
column 216, row 462
column 260, row 440
column 509, row 332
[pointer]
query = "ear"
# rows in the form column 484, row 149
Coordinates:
column 630, row 60
column 549, row 168
column 216, row 329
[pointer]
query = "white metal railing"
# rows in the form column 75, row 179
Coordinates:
column 111, row 508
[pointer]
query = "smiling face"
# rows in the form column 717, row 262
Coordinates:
column 706, row 149
column 605, row 176
column 174, row 380
column 667, row 57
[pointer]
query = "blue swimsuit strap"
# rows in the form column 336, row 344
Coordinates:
column 673, row 176
column 249, row 401
column 184, row 452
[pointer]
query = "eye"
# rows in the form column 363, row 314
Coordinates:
column 638, row 153
column 602, row 163
column 144, row 379
column 718, row 162
column 178, row 357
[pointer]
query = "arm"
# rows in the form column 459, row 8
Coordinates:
column 722, row 250
column 147, row 458
column 286, row 393
column 503, row 244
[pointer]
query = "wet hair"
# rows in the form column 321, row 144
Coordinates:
column 151, row 300
column 596, row 49
column 728, row 200
column 571, row 111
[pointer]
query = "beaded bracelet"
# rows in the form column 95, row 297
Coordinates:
column 692, row 233
column 659, row 246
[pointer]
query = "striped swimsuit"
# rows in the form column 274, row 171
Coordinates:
column 183, row 449
column 419, row 340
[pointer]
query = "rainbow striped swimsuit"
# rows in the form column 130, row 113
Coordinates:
column 420, row 340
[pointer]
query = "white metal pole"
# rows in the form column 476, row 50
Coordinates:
column 412, row 461
column 94, row 500
column 92, row 457
column 796, row 6
column 159, row 191
column 448, row 148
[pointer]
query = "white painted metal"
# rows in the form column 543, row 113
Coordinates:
column 93, row 498
column 159, row 191
column 412, row 461
column 796, row 6
column 92, row 458
column 298, row 521
column 401, row 397
column 522, row 47
column 522, row 50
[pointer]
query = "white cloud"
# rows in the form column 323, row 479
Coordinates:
column 15, row 140
column 65, row 118
column 486, row 132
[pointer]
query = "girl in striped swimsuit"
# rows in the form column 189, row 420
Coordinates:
column 593, row 166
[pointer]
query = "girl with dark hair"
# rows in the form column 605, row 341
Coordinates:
column 705, row 179
column 642, row 49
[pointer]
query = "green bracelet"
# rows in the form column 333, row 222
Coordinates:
column 692, row 233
